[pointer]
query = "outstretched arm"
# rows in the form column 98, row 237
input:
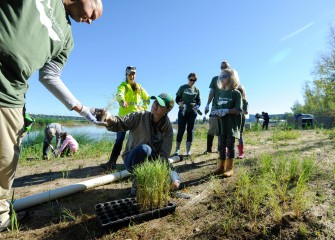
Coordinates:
column 50, row 77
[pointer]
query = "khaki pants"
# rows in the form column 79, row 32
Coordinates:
column 213, row 122
column 11, row 134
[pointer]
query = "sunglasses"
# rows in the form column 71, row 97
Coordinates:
column 192, row 80
column 131, row 68
column 224, row 76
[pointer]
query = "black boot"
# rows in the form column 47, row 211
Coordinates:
column 210, row 139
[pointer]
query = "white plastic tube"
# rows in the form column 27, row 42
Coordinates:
column 39, row 198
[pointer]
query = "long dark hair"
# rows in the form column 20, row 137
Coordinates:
column 134, row 85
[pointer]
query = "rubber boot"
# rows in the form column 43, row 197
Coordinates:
column 240, row 151
column 177, row 152
column 210, row 139
column 229, row 167
column 221, row 168
column 45, row 149
column 188, row 148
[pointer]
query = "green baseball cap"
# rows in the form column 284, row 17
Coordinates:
column 164, row 100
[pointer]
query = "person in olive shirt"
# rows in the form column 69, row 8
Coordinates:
column 34, row 35
column 228, row 108
column 188, row 99
column 212, row 96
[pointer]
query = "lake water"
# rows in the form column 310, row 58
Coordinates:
column 95, row 132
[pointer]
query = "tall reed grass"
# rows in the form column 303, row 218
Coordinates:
column 153, row 184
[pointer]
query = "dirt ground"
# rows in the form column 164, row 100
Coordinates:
column 73, row 217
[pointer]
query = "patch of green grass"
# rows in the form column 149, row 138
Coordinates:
column 284, row 135
column 66, row 214
column 200, row 131
column 331, row 133
column 277, row 187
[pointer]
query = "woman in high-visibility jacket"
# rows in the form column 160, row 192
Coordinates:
column 132, row 97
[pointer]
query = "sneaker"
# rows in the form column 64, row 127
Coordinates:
column 5, row 225
column 21, row 217
column 45, row 157
column 176, row 153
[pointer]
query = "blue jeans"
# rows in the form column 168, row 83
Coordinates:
column 189, row 120
column 138, row 155
column 120, row 136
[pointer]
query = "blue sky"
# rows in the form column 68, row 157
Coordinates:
column 272, row 44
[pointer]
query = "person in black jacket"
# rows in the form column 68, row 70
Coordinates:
column 266, row 118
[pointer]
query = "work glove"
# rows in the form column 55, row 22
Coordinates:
column 94, row 115
column 196, row 108
column 87, row 112
column 184, row 109
column 220, row 112
column 206, row 109
column 56, row 153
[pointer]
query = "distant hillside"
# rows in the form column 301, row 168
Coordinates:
column 43, row 116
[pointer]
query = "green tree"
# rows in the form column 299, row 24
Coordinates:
column 319, row 94
column 297, row 108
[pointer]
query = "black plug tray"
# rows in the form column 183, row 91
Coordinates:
column 116, row 214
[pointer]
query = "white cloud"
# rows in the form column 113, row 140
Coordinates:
column 296, row 32
column 280, row 56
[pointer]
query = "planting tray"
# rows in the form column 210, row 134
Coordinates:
column 116, row 214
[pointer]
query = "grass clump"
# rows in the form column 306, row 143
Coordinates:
column 153, row 184
column 275, row 191
column 284, row 135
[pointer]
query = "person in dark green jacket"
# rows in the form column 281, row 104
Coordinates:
column 228, row 108
column 188, row 99
column 34, row 35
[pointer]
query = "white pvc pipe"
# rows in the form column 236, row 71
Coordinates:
column 39, row 198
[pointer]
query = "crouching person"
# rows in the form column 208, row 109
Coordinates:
column 69, row 145
column 150, row 135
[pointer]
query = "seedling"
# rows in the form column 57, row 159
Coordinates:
column 153, row 184
column 13, row 217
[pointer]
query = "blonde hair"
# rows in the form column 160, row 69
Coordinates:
column 234, row 80
column 241, row 89
column 96, row 4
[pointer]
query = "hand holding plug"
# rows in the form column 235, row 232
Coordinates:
column 175, row 185
column 124, row 104
column 87, row 113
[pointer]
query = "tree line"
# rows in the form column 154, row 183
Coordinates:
column 319, row 94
